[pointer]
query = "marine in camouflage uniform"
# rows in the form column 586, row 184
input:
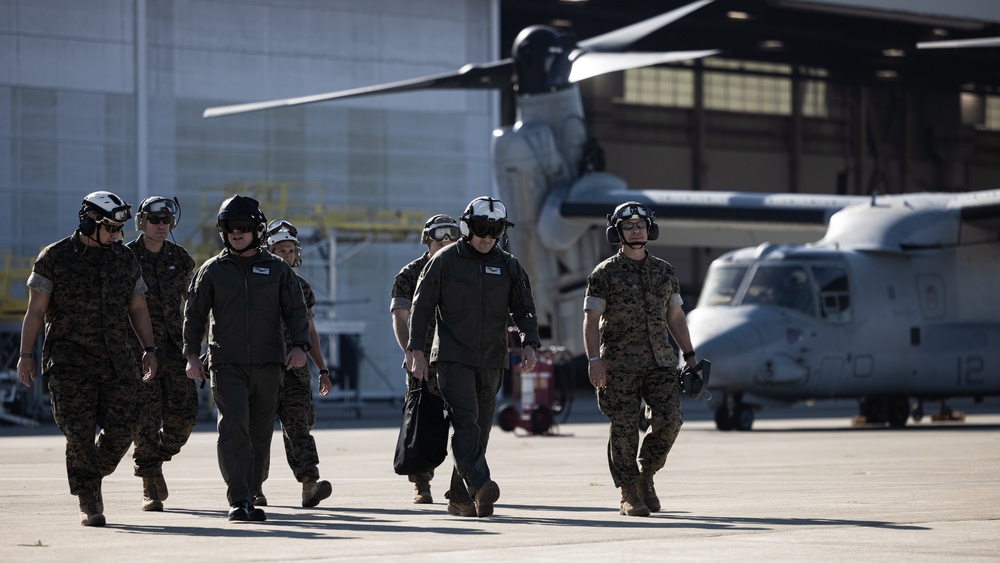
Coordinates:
column 88, row 290
column 295, row 408
column 439, row 231
column 632, row 303
column 167, row 408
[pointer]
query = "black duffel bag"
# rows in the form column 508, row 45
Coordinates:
column 423, row 434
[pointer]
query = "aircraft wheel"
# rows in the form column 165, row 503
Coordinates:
column 507, row 418
column 917, row 412
column 897, row 411
column 723, row 420
column 541, row 419
column 743, row 419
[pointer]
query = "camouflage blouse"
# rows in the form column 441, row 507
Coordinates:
column 89, row 290
column 633, row 298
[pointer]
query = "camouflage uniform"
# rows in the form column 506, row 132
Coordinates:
column 167, row 406
column 296, row 411
column 92, row 372
column 403, row 288
column 640, row 362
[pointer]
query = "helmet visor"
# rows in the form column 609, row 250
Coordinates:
column 483, row 228
column 162, row 206
column 119, row 214
column 444, row 232
column 282, row 225
column 241, row 225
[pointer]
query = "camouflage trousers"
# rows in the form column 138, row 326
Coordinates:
column 432, row 386
column 86, row 397
column 166, row 412
column 620, row 401
column 298, row 416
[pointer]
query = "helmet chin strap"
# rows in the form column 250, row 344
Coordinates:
column 632, row 245
column 96, row 237
column 254, row 245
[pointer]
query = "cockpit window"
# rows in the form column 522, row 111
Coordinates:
column 783, row 286
column 721, row 285
column 835, row 299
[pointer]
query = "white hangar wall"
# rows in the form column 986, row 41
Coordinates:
column 108, row 95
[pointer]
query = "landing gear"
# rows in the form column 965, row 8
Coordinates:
column 888, row 410
column 734, row 414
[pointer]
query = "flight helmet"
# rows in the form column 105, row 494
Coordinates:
column 631, row 210
column 102, row 207
column 241, row 209
column 485, row 216
column 439, row 228
column 157, row 205
column 281, row 230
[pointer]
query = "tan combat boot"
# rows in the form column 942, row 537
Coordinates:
column 315, row 491
column 422, row 493
column 91, row 510
column 647, row 493
column 150, row 496
column 467, row 508
column 161, row 487
column 632, row 504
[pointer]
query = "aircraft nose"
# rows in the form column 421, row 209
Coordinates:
column 730, row 341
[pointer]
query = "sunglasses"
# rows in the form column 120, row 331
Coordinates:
column 241, row 226
column 483, row 229
column 112, row 228
column 441, row 233
column 629, row 225
column 157, row 219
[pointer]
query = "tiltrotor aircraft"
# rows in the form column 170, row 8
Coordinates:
column 895, row 302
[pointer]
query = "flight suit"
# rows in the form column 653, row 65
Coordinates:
column 243, row 300
column 641, row 365
column 168, row 405
column 471, row 296
column 91, row 370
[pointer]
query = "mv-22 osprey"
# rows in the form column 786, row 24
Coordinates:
column 895, row 302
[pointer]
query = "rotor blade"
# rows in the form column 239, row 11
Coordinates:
column 619, row 39
column 960, row 43
column 495, row 74
column 589, row 64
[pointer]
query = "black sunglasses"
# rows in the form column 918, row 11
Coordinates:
column 157, row 219
column 241, row 226
column 629, row 225
column 112, row 228
column 483, row 229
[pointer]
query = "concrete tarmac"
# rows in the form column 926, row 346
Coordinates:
column 794, row 489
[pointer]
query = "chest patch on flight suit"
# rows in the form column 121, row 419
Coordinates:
column 261, row 270
column 492, row 270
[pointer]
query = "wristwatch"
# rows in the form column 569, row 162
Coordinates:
column 151, row 349
column 304, row 345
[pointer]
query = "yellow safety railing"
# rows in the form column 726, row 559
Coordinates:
column 300, row 203
column 13, row 292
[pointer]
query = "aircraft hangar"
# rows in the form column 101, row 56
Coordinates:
column 806, row 96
